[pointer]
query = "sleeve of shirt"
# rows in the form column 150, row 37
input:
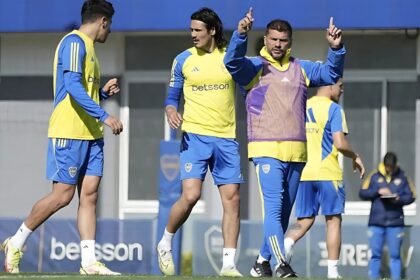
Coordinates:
column 176, row 82
column 103, row 95
column 73, row 84
column 320, row 74
column 337, row 119
column 406, row 193
column 177, row 77
column 369, row 190
column 244, row 70
column 73, row 54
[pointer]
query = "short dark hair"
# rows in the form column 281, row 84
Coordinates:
column 93, row 9
column 280, row 25
column 212, row 20
column 390, row 159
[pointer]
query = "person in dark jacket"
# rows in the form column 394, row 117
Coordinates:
column 389, row 189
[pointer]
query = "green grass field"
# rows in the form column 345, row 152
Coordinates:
column 70, row 276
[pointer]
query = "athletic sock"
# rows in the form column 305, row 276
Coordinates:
column 166, row 242
column 88, row 252
column 229, row 257
column 20, row 237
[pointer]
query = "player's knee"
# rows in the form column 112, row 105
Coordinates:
column 234, row 199
column 63, row 201
column 90, row 198
column 191, row 198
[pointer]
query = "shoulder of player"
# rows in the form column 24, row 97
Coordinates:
column 73, row 38
column 181, row 57
column 334, row 110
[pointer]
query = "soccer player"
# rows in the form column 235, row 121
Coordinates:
column 322, row 178
column 276, row 87
column 389, row 189
column 75, row 137
column 208, row 139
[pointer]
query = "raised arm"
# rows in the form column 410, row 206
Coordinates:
column 320, row 74
column 242, row 68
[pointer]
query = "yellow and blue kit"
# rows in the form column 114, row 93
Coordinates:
column 209, row 124
column 75, row 129
column 277, row 89
column 321, row 183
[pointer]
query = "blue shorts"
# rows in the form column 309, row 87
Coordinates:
column 221, row 155
column 69, row 159
column 311, row 195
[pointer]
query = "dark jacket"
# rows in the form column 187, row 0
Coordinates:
column 387, row 211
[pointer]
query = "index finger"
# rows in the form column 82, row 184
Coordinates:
column 331, row 21
column 249, row 13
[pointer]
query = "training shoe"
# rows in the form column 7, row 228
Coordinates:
column 97, row 268
column 166, row 262
column 230, row 272
column 261, row 269
column 335, row 277
column 284, row 270
column 12, row 257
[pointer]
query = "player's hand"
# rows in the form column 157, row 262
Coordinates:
column 384, row 191
column 245, row 24
column 334, row 35
column 358, row 165
column 174, row 118
column 115, row 125
column 111, row 87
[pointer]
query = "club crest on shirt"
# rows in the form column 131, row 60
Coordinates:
column 381, row 180
column 266, row 168
column 397, row 181
column 188, row 167
column 72, row 171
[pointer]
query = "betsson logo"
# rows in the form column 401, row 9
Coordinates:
column 106, row 251
column 210, row 87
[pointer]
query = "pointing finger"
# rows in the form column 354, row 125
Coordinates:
column 249, row 14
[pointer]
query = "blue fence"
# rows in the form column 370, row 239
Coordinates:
column 128, row 246
column 125, row 246
column 310, row 253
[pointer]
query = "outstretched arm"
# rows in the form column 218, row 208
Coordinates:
column 320, row 74
column 242, row 68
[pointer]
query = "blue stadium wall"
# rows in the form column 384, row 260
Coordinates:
column 145, row 15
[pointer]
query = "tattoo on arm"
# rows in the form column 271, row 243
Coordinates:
column 295, row 226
